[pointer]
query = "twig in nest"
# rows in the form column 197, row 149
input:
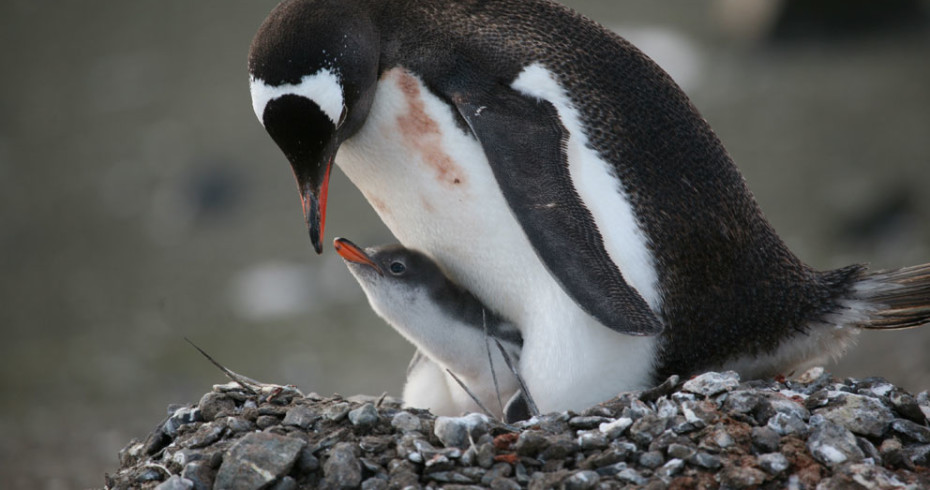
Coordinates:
column 471, row 394
column 487, row 345
column 243, row 381
column 534, row 411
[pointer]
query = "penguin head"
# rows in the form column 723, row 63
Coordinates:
column 312, row 81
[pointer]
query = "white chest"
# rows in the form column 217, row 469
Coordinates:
column 431, row 184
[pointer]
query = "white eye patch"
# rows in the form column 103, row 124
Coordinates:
column 323, row 88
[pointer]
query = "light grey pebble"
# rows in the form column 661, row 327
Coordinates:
column 863, row 415
column 651, row 459
column 301, row 416
column 629, row 475
column 257, row 459
column 773, row 463
column 710, row 384
column 592, row 439
column 336, row 411
column 455, row 431
column 787, row 423
column 342, row 469
column 364, row 416
column 680, row 451
column 175, row 483
column 616, row 427
column 706, row 460
column 405, row 422
column 671, row 468
column 915, row 432
column 832, row 444
column 582, row 480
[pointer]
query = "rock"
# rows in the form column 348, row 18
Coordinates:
column 863, row 415
column 912, row 431
column 593, row 439
column 773, row 463
column 582, row 480
column 765, row 439
column 740, row 477
column 644, row 430
column 301, row 416
column 710, row 384
column 175, row 483
column 680, row 451
column 588, row 422
column 212, row 404
column 615, row 428
column 833, row 444
column 342, row 469
column 364, row 416
column 705, row 460
column 455, row 431
column 785, row 424
column 651, row 459
column 336, row 411
column 405, row 422
column 257, row 459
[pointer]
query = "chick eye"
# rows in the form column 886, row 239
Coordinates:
column 397, row 268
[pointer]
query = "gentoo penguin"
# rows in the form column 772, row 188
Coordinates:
column 563, row 178
column 447, row 325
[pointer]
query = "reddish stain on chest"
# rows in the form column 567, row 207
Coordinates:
column 421, row 132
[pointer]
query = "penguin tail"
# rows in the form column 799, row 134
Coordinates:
column 894, row 299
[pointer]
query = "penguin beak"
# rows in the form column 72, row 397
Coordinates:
column 313, row 203
column 353, row 253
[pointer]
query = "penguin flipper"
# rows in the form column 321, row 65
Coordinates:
column 524, row 141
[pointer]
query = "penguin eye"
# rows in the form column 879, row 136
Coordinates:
column 397, row 268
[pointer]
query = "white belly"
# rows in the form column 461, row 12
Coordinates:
column 430, row 183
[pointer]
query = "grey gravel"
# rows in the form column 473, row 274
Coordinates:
column 714, row 431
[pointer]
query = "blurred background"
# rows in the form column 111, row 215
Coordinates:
column 141, row 202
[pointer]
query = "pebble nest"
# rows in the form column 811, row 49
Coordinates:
column 712, row 431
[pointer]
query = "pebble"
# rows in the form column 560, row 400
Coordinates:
column 257, row 459
column 833, row 444
column 812, row 432
column 710, row 384
column 364, row 416
column 773, row 463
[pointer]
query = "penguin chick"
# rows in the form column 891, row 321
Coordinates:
column 447, row 325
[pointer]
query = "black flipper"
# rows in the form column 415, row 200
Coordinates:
column 524, row 141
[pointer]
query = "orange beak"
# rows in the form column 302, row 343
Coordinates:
column 353, row 253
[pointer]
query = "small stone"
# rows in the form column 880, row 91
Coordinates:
column 207, row 434
column 588, row 422
column 785, row 424
column 593, row 439
column 918, row 455
column 833, row 444
column 265, row 421
column 863, row 415
column 906, row 405
column 257, row 459
column 375, row 483
column 238, row 425
column 644, row 430
column 651, row 459
column 665, row 408
column 706, row 460
column 811, row 375
column 364, row 416
column 175, row 483
column 200, row 474
column 342, row 469
column 680, row 451
column 615, row 428
column 213, row 404
column 501, row 483
column 180, row 417
column 530, row 443
column 915, row 432
column 455, row 431
column 629, row 475
column 773, row 463
column 336, row 411
column 765, row 439
column 581, row 480
column 740, row 477
column 671, row 468
column 307, row 462
column 405, row 422
column 301, row 416
column 286, row 483
column 710, row 384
